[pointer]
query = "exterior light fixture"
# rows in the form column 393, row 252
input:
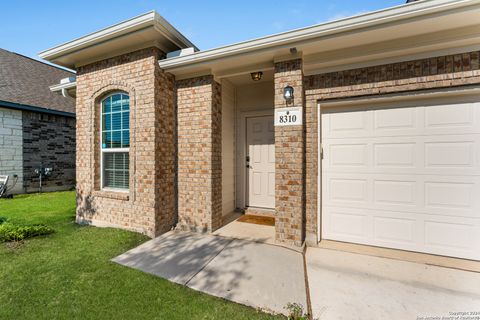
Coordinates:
column 288, row 94
column 256, row 76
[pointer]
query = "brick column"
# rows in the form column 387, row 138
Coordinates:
column 311, row 171
column 290, row 159
column 165, row 152
column 199, row 154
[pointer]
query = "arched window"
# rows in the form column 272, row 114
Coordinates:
column 115, row 141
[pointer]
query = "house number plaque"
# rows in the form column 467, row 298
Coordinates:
column 288, row 116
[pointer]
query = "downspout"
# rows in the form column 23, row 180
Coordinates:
column 65, row 93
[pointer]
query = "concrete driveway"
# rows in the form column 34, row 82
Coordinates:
column 352, row 286
column 255, row 274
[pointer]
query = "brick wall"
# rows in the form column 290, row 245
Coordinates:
column 431, row 73
column 11, row 154
column 289, row 159
column 48, row 141
column 149, row 205
column 165, row 152
column 199, row 154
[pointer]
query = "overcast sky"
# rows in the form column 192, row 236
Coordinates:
column 28, row 27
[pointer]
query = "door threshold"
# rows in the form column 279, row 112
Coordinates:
column 255, row 211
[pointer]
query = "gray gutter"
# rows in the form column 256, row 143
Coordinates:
column 24, row 107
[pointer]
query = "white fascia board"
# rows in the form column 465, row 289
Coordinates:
column 151, row 18
column 394, row 14
column 61, row 86
column 162, row 23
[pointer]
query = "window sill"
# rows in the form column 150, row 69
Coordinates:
column 117, row 195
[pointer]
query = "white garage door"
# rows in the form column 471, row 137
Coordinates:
column 403, row 176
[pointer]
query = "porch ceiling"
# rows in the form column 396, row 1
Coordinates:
column 246, row 79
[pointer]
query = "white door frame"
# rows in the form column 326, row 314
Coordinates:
column 241, row 171
column 319, row 168
column 473, row 91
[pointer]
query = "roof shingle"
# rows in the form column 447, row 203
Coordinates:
column 26, row 81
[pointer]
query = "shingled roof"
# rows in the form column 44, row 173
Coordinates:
column 25, row 81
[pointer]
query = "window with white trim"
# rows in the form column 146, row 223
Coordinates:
column 115, row 141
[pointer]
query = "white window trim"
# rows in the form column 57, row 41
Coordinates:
column 115, row 150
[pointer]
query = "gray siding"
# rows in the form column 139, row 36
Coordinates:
column 11, row 155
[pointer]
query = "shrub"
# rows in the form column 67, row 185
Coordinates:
column 14, row 232
column 2, row 220
column 296, row 312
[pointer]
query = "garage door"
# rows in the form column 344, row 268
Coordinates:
column 404, row 176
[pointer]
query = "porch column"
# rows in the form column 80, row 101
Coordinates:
column 290, row 158
column 199, row 130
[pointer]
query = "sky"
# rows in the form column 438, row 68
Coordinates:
column 30, row 26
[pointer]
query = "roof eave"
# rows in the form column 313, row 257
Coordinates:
column 150, row 19
column 24, row 107
column 381, row 17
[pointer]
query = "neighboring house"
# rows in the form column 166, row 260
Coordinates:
column 364, row 130
column 37, row 126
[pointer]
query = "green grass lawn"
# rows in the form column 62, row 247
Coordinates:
column 68, row 275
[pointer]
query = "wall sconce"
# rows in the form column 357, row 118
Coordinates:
column 288, row 94
column 256, row 76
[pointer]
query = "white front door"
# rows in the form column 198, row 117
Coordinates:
column 261, row 162
column 404, row 176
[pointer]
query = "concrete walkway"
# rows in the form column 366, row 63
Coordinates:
column 255, row 274
column 247, row 231
column 341, row 285
column 353, row 286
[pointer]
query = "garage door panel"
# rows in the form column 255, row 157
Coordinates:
column 395, row 154
column 453, row 118
column 395, row 192
column 457, row 154
column 371, row 227
column 405, row 178
column 452, row 236
column 449, row 195
column 345, row 224
column 351, row 190
column 456, row 196
column 395, row 119
column 393, row 231
column 348, row 155
column 346, row 124
column 435, row 232
column 460, row 115
column 403, row 230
